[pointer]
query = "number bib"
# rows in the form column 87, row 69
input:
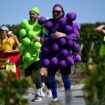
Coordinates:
column 11, row 67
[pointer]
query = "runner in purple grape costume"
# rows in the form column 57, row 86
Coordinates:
column 60, row 49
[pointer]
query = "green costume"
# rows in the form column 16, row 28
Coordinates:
column 29, row 48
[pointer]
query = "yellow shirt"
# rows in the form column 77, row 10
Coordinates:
column 9, row 43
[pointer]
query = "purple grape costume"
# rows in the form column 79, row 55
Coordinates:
column 60, row 53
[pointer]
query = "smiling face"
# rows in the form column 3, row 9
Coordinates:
column 33, row 16
column 57, row 13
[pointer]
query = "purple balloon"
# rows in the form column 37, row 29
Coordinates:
column 62, row 22
column 68, row 29
column 70, row 43
column 75, row 30
column 73, row 36
column 77, row 58
column 62, row 64
column 42, row 20
column 61, row 41
column 48, row 25
column 72, row 16
column 77, row 25
column 54, row 61
column 46, row 63
column 64, row 53
column 41, row 56
column 45, row 49
column 70, row 60
column 46, row 43
column 76, row 47
column 51, row 36
column 55, row 47
column 70, row 52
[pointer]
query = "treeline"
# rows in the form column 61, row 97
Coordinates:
column 87, row 32
column 90, row 40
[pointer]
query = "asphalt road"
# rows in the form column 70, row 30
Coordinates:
column 77, row 98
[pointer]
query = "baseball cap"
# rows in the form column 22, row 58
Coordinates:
column 35, row 9
column 4, row 28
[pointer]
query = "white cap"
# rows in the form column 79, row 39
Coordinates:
column 4, row 28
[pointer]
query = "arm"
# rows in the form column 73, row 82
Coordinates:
column 59, row 34
column 71, row 36
column 43, row 35
column 100, row 28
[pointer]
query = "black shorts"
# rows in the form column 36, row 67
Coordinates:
column 32, row 68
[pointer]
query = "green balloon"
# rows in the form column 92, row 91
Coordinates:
column 21, row 47
column 27, row 56
column 31, row 34
column 37, row 45
column 32, row 59
column 29, row 27
column 26, row 41
column 24, row 23
column 22, row 33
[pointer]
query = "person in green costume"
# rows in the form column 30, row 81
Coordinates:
column 30, row 49
column 101, row 28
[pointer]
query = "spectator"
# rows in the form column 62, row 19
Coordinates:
column 101, row 28
column 9, row 47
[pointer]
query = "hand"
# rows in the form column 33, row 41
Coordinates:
column 8, row 51
column 100, row 28
column 37, row 39
column 43, row 71
column 103, row 31
column 59, row 34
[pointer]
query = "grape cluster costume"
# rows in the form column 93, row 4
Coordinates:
column 29, row 48
column 60, row 53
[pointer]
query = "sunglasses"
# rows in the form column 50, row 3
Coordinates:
column 56, row 11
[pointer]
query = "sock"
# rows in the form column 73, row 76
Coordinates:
column 37, row 91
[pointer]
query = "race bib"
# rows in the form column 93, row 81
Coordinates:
column 11, row 67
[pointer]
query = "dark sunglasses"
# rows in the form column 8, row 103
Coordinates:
column 56, row 11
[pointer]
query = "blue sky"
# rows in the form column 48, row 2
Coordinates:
column 88, row 11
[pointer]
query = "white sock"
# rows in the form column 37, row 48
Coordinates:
column 37, row 91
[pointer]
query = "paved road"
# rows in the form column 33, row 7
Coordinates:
column 77, row 98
